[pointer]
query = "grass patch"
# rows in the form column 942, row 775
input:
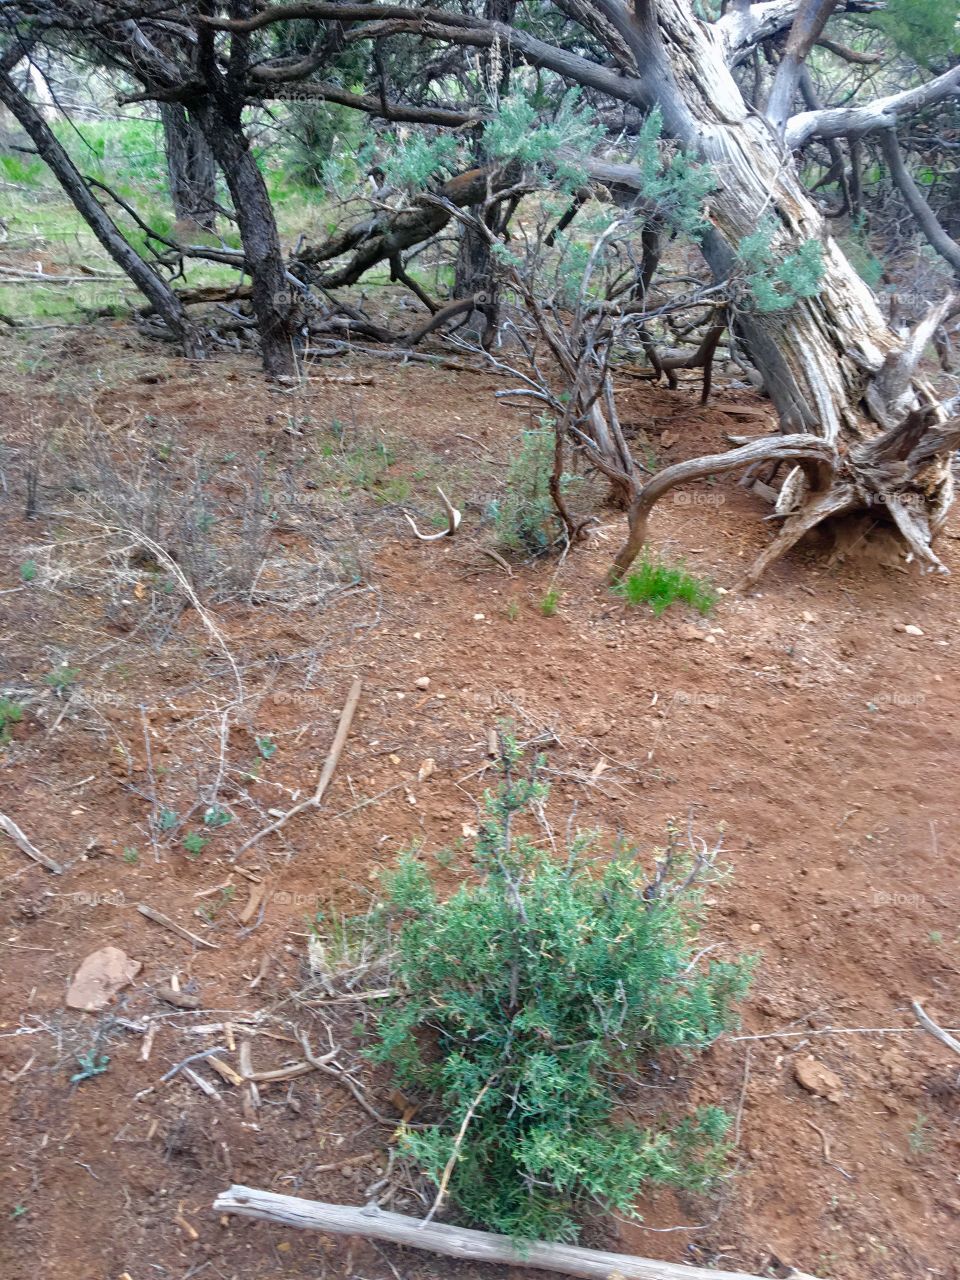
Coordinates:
column 550, row 602
column 10, row 713
column 661, row 585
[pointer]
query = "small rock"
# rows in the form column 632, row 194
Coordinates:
column 807, row 616
column 755, row 928
column 100, row 976
column 423, row 682
column 479, row 617
column 818, row 1079
column 908, row 629
column 426, row 770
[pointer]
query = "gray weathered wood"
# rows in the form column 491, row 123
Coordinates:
column 456, row 1242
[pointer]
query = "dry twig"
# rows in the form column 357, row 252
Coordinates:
column 330, row 765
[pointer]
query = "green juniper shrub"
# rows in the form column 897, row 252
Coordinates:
column 525, row 518
column 528, row 1001
column 772, row 285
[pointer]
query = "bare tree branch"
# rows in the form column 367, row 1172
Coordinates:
column 882, row 113
column 807, row 28
column 916, row 202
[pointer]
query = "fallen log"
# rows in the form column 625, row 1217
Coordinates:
column 457, row 1242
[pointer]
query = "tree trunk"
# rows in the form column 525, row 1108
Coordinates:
column 191, row 171
column 822, row 360
column 272, row 292
column 474, row 274
column 153, row 287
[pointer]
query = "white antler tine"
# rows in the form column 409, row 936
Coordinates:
column 453, row 521
column 453, row 515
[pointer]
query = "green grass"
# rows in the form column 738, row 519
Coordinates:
column 128, row 156
column 10, row 713
column 661, row 585
column 550, row 602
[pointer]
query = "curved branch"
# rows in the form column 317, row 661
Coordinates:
column 807, row 447
column 445, row 117
column 744, row 26
column 808, row 25
column 860, row 57
column 915, row 201
column 452, row 28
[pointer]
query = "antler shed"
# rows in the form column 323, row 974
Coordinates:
column 453, row 521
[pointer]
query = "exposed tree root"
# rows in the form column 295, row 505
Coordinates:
column 792, row 446
column 905, row 472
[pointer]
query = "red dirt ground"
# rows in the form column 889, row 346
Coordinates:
column 801, row 721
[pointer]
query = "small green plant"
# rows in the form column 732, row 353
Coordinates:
column 550, row 602
column 18, row 1211
column 526, row 1004
column 168, row 819
column 210, row 910
column 131, row 856
column 267, row 747
column 28, row 571
column 91, row 1064
column 194, row 843
column 10, row 713
column 61, row 679
column 660, row 586
column 513, row 610
column 215, row 816
column 919, row 1138
column 524, row 517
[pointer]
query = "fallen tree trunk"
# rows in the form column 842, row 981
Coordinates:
column 457, row 1242
column 385, row 236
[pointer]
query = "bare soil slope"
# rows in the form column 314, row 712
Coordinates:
column 802, row 721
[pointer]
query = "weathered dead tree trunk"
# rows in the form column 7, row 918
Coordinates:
column 153, row 287
column 831, row 364
column 191, row 171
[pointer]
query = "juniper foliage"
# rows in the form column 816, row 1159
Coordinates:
column 526, row 1003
